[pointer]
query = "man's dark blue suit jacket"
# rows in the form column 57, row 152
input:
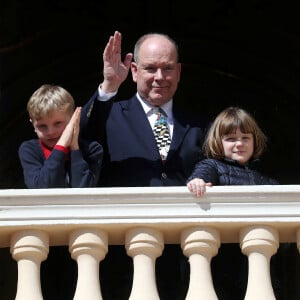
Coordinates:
column 131, row 157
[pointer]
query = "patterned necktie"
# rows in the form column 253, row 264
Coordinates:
column 161, row 133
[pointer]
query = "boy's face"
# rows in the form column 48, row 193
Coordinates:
column 50, row 127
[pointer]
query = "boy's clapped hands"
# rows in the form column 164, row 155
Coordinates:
column 69, row 137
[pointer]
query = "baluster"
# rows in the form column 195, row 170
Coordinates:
column 259, row 243
column 298, row 239
column 88, row 247
column 29, row 248
column 200, row 244
column 144, row 245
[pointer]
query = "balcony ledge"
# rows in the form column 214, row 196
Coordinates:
column 169, row 209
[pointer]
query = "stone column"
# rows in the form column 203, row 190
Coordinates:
column 298, row 239
column 29, row 248
column 144, row 245
column 259, row 243
column 88, row 247
column 200, row 244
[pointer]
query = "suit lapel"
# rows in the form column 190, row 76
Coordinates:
column 139, row 125
column 179, row 131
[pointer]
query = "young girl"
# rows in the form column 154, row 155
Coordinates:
column 233, row 146
column 57, row 158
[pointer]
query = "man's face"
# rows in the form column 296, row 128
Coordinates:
column 157, row 72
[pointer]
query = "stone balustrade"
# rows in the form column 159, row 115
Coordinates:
column 144, row 220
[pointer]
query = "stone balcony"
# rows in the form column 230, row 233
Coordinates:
column 144, row 221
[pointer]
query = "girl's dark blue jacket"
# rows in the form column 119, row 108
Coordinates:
column 81, row 168
column 230, row 172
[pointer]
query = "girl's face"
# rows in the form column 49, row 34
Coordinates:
column 49, row 128
column 238, row 146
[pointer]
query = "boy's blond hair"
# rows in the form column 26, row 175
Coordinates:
column 49, row 98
